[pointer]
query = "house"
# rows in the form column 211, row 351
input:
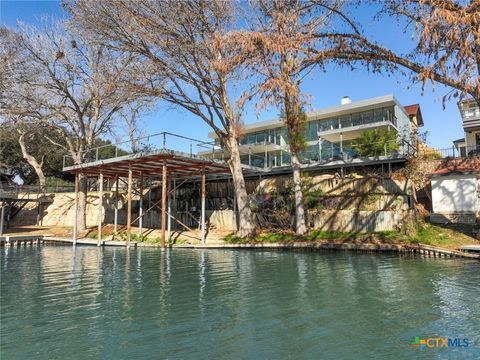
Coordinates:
column 455, row 195
column 470, row 144
column 332, row 134
column 415, row 115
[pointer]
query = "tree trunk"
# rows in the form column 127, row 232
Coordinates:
column 82, row 203
column 246, row 219
column 300, row 227
column 37, row 167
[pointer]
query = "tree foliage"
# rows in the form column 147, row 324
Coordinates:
column 376, row 142
column 446, row 43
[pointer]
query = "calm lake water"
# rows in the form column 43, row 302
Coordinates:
column 95, row 303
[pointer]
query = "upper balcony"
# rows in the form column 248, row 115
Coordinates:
column 470, row 112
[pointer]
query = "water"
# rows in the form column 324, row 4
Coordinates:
column 94, row 303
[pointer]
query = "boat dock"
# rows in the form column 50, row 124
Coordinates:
column 24, row 240
column 474, row 249
column 471, row 251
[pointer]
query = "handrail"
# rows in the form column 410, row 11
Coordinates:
column 141, row 141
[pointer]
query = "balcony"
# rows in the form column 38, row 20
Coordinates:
column 471, row 115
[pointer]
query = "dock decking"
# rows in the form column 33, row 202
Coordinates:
column 403, row 249
column 24, row 240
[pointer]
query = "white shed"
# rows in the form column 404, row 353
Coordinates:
column 455, row 195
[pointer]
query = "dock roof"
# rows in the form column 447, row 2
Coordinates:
column 150, row 164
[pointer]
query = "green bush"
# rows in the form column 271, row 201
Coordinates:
column 374, row 142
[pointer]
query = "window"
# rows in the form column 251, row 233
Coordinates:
column 356, row 119
column 470, row 110
column 260, row 138
column 312, row 131
column 367, row 117
column 345, row 121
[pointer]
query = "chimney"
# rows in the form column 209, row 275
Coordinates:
column 346, row 100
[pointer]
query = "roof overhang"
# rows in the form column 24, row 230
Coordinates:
column 150, row 164
column 338, row 110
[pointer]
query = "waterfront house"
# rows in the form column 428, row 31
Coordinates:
column 332, row 135
column 470, row 144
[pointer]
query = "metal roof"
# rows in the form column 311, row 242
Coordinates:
column 150, row 165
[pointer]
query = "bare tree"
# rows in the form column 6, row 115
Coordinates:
column 277, row 48
column 130, row 116
column 447, row 42
column 74, row 87
column 187, row 64
column 32, row 161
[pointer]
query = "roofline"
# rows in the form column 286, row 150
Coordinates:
column 327, row 112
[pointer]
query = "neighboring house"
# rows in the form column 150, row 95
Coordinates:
column 455, row 195
column 331, row 133
column 461, row 147
column 415, row 115
column 470, row 144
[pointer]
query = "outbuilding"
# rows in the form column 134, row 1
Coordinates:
column 455, row 195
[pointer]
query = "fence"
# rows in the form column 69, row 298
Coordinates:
column 450, row 152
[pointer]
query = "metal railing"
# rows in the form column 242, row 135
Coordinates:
column 154, row 142
column 326, row 153
column 450, row 152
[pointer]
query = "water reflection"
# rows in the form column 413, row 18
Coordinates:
column 89, row 302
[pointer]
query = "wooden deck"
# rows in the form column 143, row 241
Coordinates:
column 24, row 240
column 470, row 249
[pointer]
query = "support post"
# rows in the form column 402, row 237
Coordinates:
column 341, row 143
column 129, row 205
column 319, row 149
column 100, row 208
column 149, row 211
column 164, row 201
column 265, row 165
column 174, row 198
column 234, row 213
column 75, row 214
column 169, row 211
column 203, row 207
column 2, row 218
column 115, row 217
column 140, row 215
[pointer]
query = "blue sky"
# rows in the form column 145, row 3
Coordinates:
column 325, row 88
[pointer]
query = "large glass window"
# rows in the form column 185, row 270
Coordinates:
column 367, row 117
column 356, row 119
column 470, row 110
column 328, row 124
column 260, row 138
column 381, row 115
column 345, row 121
column 312, row 131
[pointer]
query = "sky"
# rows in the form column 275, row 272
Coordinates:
column 325, row 89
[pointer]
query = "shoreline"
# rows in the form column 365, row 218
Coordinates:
column 317, row 246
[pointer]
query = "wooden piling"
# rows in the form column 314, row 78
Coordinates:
column 140, row 211
column 203, row 207
column 100, row 208
column 129, row 205
column 169, row 210
column 115, row 217
column 164, row 201
column 75, row 215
